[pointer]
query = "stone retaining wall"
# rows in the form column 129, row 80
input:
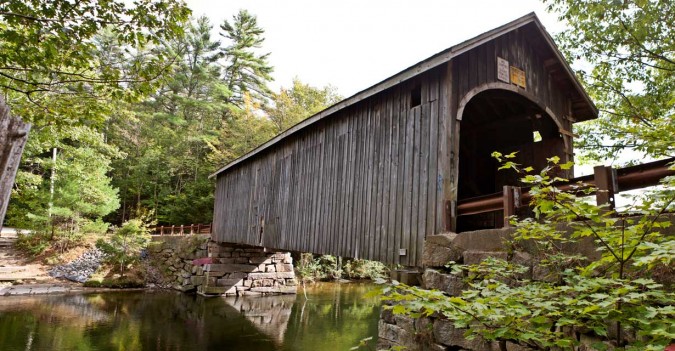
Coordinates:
column 439, row 334
column 471, row 248
column 194, row 263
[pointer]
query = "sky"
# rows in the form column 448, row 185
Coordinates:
column 353, row 44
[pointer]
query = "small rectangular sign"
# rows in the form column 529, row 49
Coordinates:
column 518, row 77
column 503, row 70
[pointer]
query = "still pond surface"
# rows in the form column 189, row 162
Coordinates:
column 335, row 317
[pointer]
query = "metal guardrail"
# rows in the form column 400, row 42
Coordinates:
column 607, row 180
column 181, row 229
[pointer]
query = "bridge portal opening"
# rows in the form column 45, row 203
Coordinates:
column 504, row 121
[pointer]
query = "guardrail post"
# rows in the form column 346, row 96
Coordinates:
column 605, row 181
column 172, row 226
column 509, row 199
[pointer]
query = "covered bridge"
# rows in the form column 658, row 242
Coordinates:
column 373, row 175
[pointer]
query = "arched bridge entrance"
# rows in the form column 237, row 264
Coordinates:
column 506, row 121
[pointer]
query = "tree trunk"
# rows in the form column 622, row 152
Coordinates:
column 13, row 135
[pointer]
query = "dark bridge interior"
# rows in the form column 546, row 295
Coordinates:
column 504, row 121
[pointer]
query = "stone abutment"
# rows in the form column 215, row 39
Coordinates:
column 197, row 264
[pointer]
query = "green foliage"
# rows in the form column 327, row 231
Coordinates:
column 365, row 269
column 613, row 297
column 323, row 267
column 364, row 344
column 115, row 283
column 628, row 49
column 55, row 68
column 69, row 197
column 328, row 267
column 299, row 102
column 247, row 73
column 125, row 244
column 32, row 244
column 189, row 128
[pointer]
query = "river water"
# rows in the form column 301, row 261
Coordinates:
column 335, row 317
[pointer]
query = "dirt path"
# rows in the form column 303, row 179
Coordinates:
column 16, row 268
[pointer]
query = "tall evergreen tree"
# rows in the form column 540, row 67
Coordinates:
column 166, row 138
column 247, row 72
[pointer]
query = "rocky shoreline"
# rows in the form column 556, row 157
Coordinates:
column 80, row 269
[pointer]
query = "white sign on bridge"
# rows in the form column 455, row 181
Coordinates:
column 503, row 70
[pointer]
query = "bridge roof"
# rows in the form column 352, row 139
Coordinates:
column 587, row 108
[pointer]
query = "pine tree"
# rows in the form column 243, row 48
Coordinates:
column 167, row 137
column 247, row 72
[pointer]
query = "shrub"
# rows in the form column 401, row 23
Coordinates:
column 124, row 246
column 365, row 269
column 32, row 244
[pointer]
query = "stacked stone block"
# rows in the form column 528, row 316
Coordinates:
column 173, row 256
column 246, row 270
column 194, row 263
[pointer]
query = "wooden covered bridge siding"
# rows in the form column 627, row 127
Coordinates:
column 373, row 175
column 359, row 184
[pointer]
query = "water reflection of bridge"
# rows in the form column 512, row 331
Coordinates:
column 270, row 315
column 336, row 316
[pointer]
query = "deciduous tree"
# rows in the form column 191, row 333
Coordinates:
column 292, row 105
column 627, row 51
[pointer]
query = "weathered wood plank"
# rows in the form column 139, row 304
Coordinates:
column 433, row 168
column 376, row 192
column 332, row 190
column 423, row 179
column 408, row 184
column 368, row 184
column 304, row 188
column 316, row 230
column 482, row 65
column 415, row 183
column 386, row 170
column 452, row 133
column 490, row 62
column 345, row 160
column 393, row 175
column 360, row 182
column 444, row 158
column 400, row 214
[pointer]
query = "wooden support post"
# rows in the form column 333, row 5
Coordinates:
column 182, row 230
column 172, row 226
column 161, row 230
column 509, row 204
column 605, row 181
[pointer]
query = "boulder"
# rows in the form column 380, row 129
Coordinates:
column 440, row 249
column 476, row 257
column 448, row 283
column 445, row 333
